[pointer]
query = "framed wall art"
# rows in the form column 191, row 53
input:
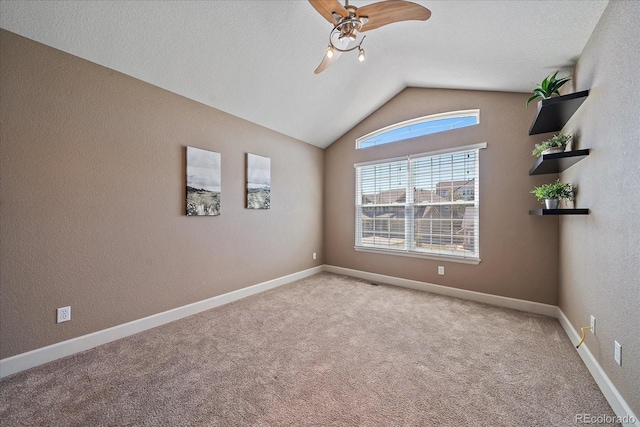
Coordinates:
column 203, row 182
column 258, row 182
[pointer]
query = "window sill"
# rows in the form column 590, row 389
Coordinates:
column 449, row 258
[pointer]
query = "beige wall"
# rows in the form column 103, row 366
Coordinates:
column 92, row 190
column 600, row 253
column 519, row 252
column 92, row 167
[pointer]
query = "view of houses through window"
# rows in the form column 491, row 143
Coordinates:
column 425, row 204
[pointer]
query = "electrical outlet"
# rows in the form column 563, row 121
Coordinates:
column 593, row 325
column 441, row 270
column 64, row 314
column 617, row 353
column 315, row 255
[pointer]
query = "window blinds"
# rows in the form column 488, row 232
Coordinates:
column 427, row 204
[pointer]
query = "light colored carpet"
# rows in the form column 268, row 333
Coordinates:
column 324, row 351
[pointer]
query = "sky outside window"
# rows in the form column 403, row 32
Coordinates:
column 420, row 127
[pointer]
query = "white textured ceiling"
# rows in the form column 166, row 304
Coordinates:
column 255, row 59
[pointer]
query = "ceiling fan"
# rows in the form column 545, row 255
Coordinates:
column 349, row 20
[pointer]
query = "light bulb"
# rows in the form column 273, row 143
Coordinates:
column 329, row 52
column 361, row 55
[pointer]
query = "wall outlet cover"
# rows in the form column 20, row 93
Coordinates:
column 64, row 314
column 617, row 353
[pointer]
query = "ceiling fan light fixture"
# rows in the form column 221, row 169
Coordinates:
column 329, row 52
column 349, row 21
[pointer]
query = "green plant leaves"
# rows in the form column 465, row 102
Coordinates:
column 559, row 140
column 550, row 86
column 555, row 190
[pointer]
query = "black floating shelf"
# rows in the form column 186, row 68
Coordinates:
column 554, row 113
column 557, row 162
column 559, row 212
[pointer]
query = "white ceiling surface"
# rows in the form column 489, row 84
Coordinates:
column 255, row 59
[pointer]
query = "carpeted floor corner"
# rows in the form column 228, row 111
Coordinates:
column 324, row 351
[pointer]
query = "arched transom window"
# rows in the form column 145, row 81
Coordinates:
column 420, row 126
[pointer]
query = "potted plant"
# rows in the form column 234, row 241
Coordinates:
column 550, row 194
column 556, row 144
column 550, row 86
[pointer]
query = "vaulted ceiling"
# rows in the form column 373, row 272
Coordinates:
column 255, row 59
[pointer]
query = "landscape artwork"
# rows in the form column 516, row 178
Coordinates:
column 203, row 182
column 258, row 182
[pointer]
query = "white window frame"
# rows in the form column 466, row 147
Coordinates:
column 408, row 249
column 419, row 120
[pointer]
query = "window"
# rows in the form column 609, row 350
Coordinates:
column 424, row 205
column 418, row 127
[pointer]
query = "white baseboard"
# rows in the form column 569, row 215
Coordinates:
column 617, row 402
column 52, row 352
column 30, row 359
column 516, row 304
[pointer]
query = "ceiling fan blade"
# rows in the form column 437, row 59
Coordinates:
column 340, row 44
column 327, row 62
column 390, row 11
column 326, row 8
